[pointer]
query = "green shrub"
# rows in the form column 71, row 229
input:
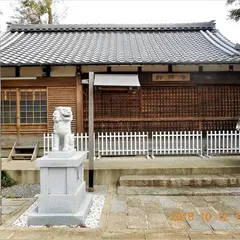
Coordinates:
column 7, row 181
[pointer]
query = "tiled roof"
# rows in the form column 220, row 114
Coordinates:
column 191, row 43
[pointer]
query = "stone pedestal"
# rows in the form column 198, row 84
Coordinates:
column 63, row 199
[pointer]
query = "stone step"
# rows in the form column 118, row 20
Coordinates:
column 187, row 191
column 21, row 156
column 24, row 147
column 180, row 181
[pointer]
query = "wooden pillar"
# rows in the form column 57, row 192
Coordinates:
column 18, row 114
column 200, row 122
column 79, row 105
column 1, row 212
column 91, row 130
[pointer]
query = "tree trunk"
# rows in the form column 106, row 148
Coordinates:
column 49, row 11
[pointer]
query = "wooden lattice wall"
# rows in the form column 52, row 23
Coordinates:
column 166, row 108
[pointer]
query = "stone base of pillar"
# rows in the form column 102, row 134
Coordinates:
column 42, row 219
column 63, row 199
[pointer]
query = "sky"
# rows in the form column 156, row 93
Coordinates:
column 135, row 11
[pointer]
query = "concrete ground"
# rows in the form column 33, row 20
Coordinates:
column 141, row 217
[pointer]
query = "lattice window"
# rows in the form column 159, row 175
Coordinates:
column 33, row 106
column 9, row 106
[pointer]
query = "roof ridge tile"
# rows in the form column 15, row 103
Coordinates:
column 112, row 27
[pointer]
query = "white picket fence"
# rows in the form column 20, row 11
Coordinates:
column 177, row 143
column 81, row 142
column 108, row 144
column 223, row 142
column 122, row 143
column 161, row 143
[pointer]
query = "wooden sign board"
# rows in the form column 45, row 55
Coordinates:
column 169, row 77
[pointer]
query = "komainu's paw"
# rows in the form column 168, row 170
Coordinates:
column 65, row 149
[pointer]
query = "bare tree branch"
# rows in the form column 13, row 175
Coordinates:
column 36, row 12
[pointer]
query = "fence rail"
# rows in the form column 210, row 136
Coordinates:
column 161, row 143
column 177, row 143
column 223, row 142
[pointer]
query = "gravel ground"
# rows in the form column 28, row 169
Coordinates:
column 92, row 220
column 30, row 190
column 21, row 191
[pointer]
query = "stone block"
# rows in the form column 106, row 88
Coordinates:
column 136, row 221
column 61, row 154
column 220, row 225
column 207, row 181
column 135, row 211
column 233, row 181
column 168, row 203
column 134, row 201
column 157, row 220
column 9, row 209
column 185, row 181
column 198, row 201
column 230, row 201
column 160, row 182
column 220, row 182
column 176, row 183
column 58, row 219
column 62, row 203
column 211, row 198
column 175, row 225
column 196, row 182
column 209, row 237
column 117, row 221
column 166, row 236
column 63, row 199
column 222, row 208
column 13, row 202
column 118, row 206
column 6, row 234
column 198, row 223
column 180, row 199
column 152, row 207
column 73, row 161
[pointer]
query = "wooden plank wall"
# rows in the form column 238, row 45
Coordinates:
column 61, row 96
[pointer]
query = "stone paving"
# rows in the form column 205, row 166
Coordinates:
column 143, row 217
column 12, row 208
column 178, row 212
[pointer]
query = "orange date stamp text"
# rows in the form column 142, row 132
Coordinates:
column 205, row 216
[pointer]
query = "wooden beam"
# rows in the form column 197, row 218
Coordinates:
column 41, row 82
column 17, row 71
column 170, row 67
column 79, row 103
column 164, row 119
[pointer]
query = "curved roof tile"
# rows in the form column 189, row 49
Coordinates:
column 192, row 43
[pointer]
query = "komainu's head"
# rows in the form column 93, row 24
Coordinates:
column 65, row 113
column 238, row 125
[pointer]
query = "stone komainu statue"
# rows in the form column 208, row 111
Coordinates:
column 238, row 125
column 63, row 139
